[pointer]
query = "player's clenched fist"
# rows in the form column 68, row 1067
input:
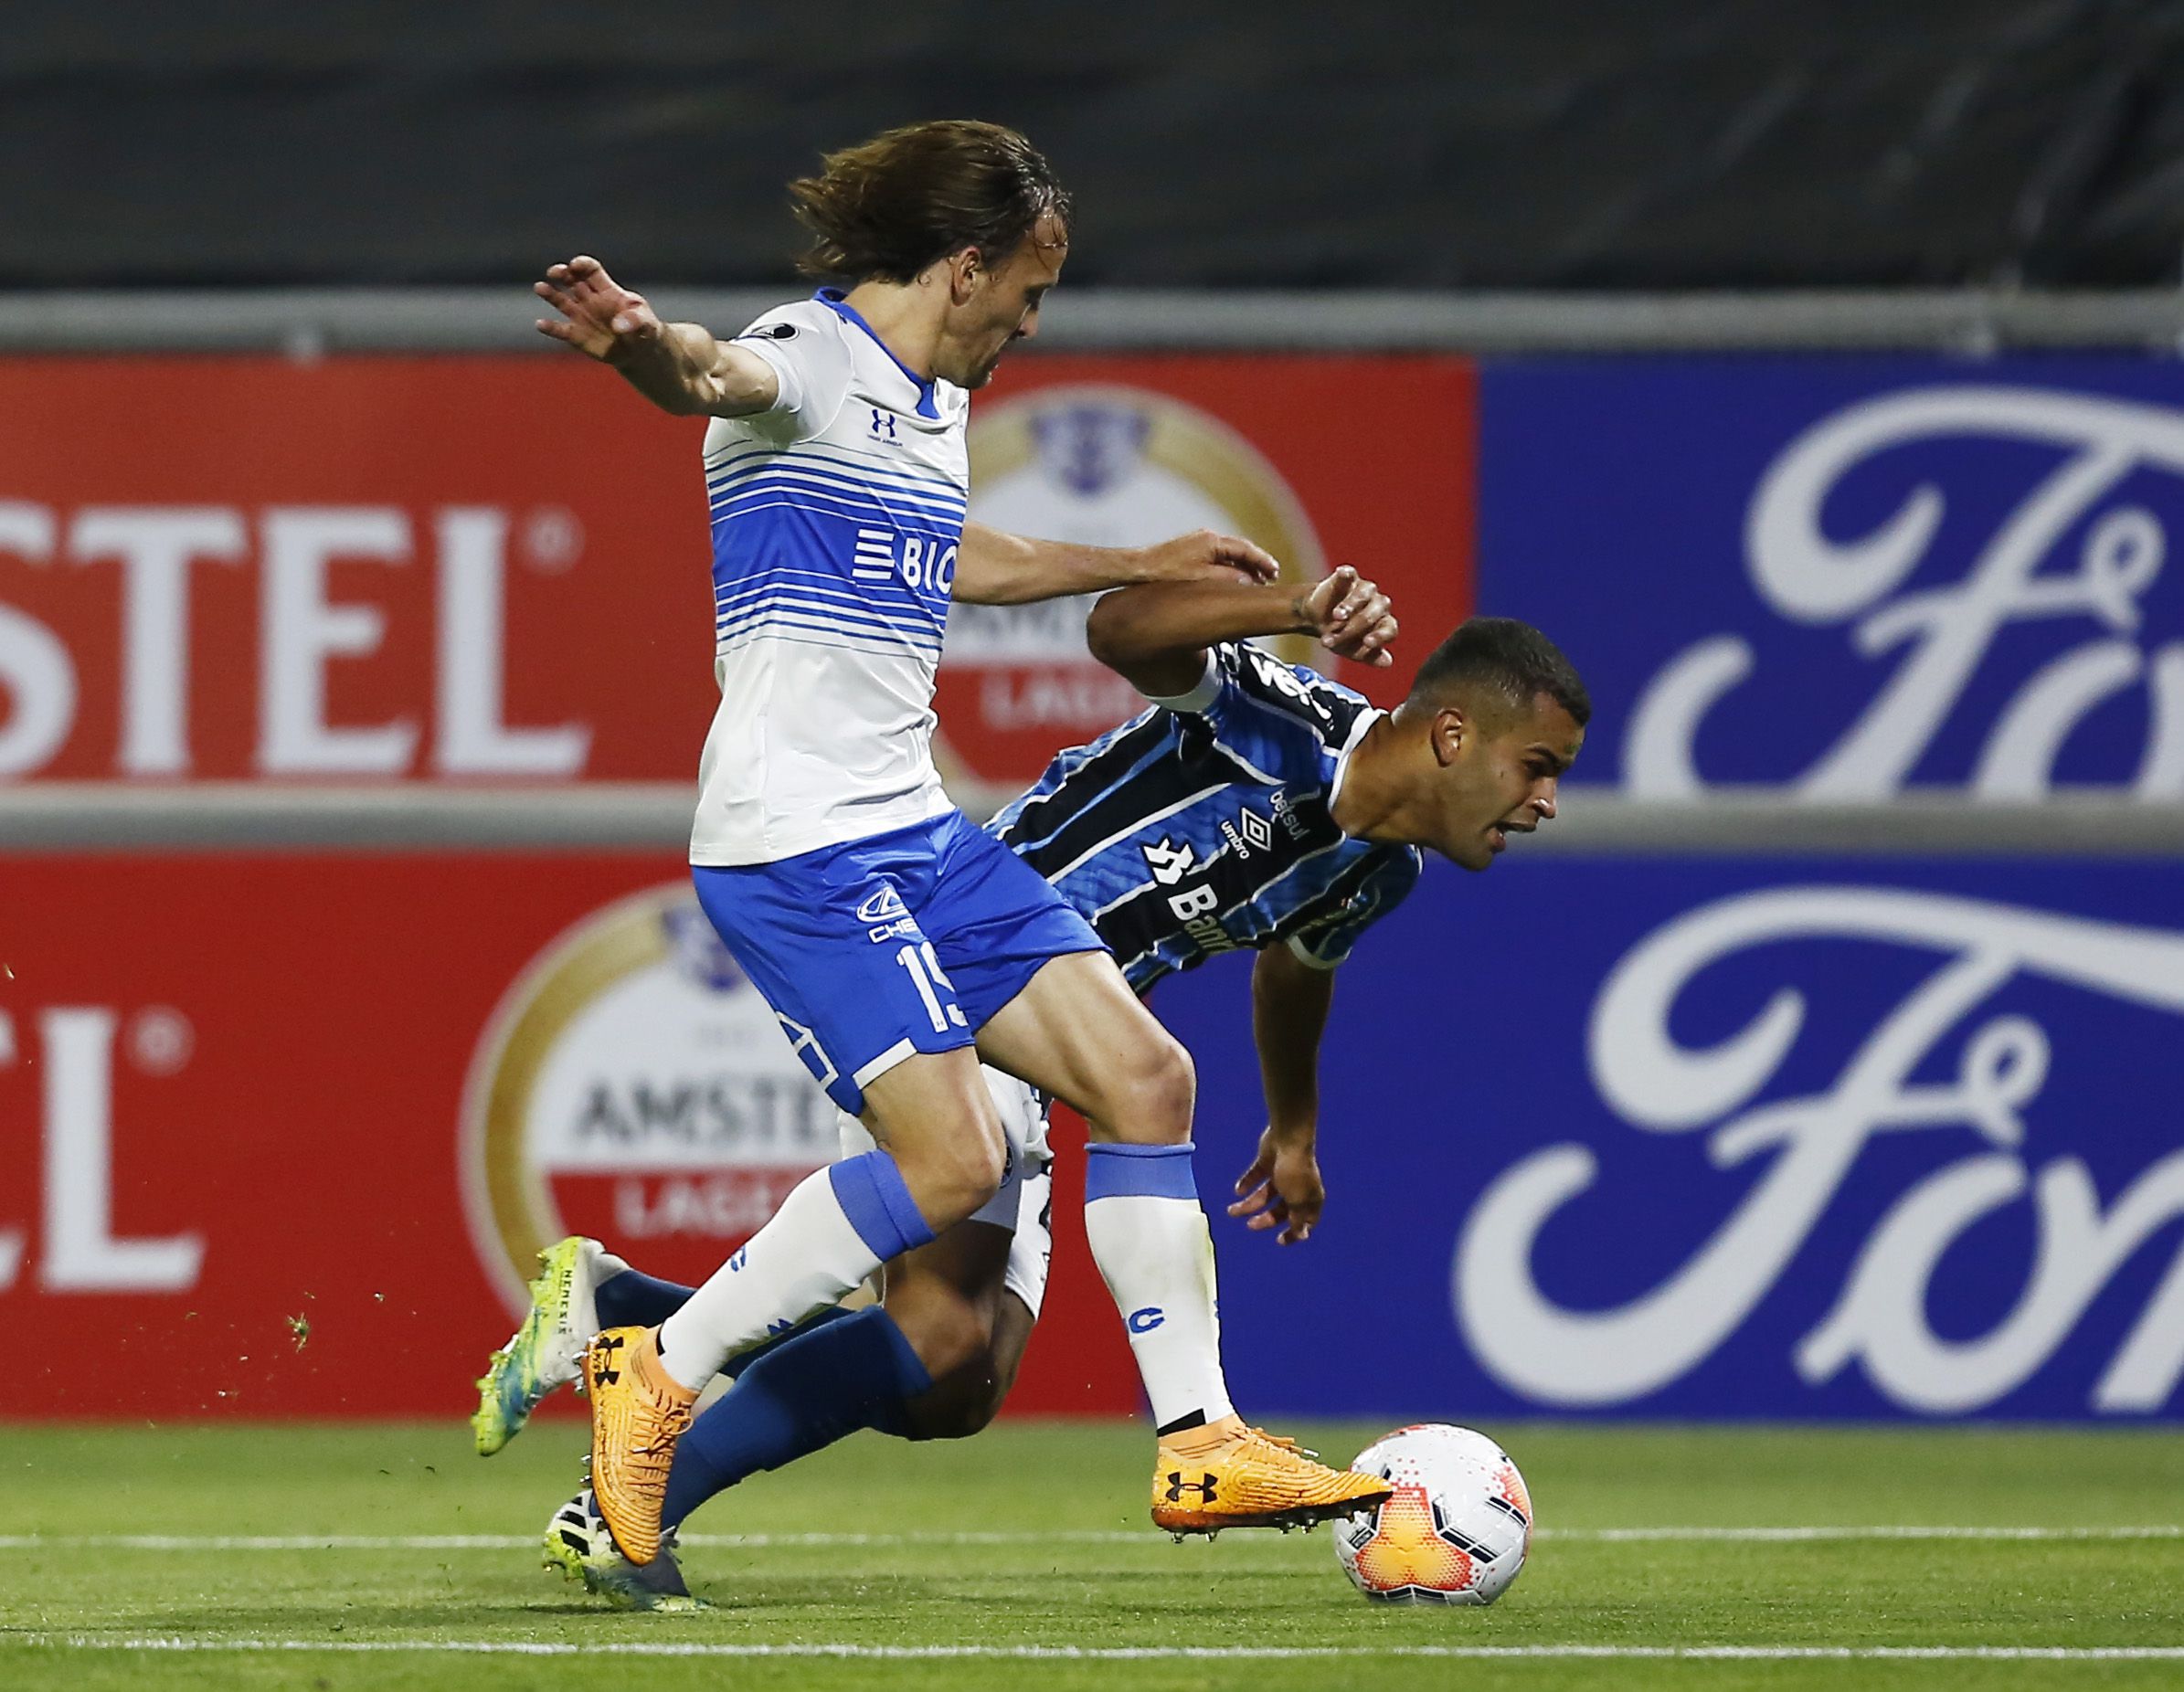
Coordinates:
column 599, row 317
column 1355, row 618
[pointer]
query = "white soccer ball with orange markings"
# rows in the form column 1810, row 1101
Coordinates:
column 1457, row 1529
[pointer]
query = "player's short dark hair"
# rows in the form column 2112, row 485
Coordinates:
column 903, row 200
column 1513, row 660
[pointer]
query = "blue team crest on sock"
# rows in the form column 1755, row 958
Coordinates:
column 1144, row 1321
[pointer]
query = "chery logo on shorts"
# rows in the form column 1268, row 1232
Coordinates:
column 632, row 1084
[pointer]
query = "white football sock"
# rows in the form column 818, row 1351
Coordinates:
column 1156, row 1254
column 835, row 1228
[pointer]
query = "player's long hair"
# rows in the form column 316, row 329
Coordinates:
column 885, row 210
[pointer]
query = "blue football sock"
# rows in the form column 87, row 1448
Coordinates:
column 819, row 1385
column 630, row 1298
column 633, row 1299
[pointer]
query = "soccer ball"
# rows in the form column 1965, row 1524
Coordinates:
column 1456, row 1531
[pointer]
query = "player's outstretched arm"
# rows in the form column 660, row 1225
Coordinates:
column 1289, row 1000
column 680, row 367
column 1156, row 637
column 996, row 568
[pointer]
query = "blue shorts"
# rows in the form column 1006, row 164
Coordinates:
column 902, row 943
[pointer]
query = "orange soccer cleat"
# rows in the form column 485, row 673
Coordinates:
column 638, row 1413
column 1238, row 1476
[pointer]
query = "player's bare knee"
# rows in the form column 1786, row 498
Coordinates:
column 951, row 1176
column 1150, row 1098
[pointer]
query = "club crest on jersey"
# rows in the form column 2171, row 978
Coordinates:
column 1168, row 862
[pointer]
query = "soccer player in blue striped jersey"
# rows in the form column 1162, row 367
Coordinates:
column 897, row 944
column 1256, row 805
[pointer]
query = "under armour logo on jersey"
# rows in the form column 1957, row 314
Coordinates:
column 1178, row 1486
column 1168, row 862
column 883, row 425
column 736, row 1263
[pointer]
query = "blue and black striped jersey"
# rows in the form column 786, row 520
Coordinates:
column 1201, row 825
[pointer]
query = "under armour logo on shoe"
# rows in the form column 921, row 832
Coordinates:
column 1178, row 1486
column 603, row 1359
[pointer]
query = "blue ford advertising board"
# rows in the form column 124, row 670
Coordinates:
column 1805, row 1138
column 1850, row 577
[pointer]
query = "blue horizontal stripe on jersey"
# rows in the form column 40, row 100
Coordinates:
column 842, row 507
column 890, row 634
column 777, row 474
column 829, row 607
column 805, row 616
column 822, row 545
column 805, row 476
column 862, row 466
column 862, row 636
column 804, row 636
column 887, row 596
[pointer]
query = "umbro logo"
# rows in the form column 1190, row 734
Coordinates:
column 1250, row 832
column 1168, row 862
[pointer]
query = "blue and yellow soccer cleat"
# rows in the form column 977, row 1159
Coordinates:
column 577, row 1543
column 547, row 1350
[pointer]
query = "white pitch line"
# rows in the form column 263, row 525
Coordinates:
column 801, row 1648
column 514, row 1542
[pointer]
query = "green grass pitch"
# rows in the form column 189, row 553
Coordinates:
column 134, row 1558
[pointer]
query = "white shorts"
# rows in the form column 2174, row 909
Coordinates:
column 1023, row 1204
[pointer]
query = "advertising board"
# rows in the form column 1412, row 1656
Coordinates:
column 466, row 570
column 1707, row 1138
column 1850, row 578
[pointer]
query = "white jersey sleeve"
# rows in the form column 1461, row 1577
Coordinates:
column 807, row 349
column 837, row 516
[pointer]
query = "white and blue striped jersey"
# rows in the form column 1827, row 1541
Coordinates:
column 836, row 519
column 1201, row 825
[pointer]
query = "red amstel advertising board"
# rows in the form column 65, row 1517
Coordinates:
column 466, row 570
column 279, row 1135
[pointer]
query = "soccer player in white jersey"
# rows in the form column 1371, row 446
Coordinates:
column 1287, row 817
column 897, row 942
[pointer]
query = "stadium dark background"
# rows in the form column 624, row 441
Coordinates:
column 1508, row 143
